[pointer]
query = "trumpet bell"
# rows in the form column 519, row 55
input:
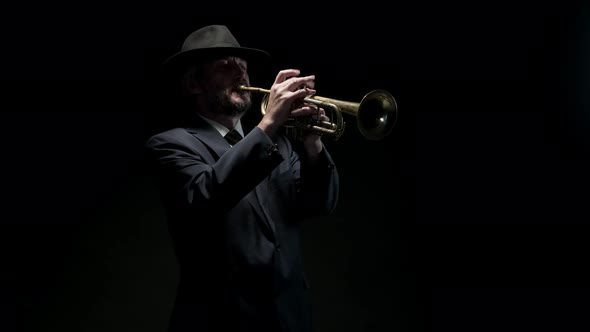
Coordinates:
column 376, row 114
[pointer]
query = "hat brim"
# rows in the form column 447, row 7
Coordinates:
column 182, row 60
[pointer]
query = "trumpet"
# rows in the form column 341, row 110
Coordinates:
column 376, row 114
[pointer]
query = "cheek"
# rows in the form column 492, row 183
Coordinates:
column 240, row 97
column 246, row 77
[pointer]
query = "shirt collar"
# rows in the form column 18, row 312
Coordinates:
column 221, row 128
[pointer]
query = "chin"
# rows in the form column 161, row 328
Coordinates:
column 238, row 98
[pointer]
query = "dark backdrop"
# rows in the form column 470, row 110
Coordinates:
column 470, row 216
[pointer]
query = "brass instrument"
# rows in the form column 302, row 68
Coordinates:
column 376, row 114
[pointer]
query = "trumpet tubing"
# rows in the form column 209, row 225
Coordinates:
column 376, row 114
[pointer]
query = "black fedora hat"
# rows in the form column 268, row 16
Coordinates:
column 209, row 42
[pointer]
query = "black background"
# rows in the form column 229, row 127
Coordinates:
column 470, row 216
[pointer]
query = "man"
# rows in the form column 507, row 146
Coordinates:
column 235, row 207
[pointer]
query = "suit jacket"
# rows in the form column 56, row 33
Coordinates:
column 234, row 214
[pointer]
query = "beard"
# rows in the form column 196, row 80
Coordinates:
column 222, row 101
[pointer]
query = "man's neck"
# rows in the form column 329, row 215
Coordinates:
column 225, row 120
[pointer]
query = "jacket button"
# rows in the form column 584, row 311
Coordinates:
column 278, row 248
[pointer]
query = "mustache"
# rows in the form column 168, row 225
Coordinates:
column 240, row 83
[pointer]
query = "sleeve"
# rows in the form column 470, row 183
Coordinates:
column 318, row 185
column 187, row 181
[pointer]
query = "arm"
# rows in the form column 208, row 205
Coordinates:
column 188, row 181
column 319, row 180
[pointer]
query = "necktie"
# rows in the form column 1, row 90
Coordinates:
column 233, row 137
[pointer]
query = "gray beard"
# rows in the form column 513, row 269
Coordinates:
column 222, row 102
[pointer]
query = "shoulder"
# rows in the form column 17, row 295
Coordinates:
column 170, row 136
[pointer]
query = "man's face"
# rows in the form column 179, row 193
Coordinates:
column 220, row 81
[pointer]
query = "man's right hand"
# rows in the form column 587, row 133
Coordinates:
column 286, row 96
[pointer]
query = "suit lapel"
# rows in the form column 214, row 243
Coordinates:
column 258, row 193
column 265, row 222
column 209, row 136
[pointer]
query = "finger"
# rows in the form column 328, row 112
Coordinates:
column 310, row 85
column 309, row 111
column 295, row 83
column 319, row 111
column 319, row 117
column 285, row 74
column 299, row 95
column 303, row 111
column 314, row 107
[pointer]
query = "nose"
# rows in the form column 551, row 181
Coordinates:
column 240, row 73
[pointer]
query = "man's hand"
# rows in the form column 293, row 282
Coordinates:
column 287, row 89
column 312, row 141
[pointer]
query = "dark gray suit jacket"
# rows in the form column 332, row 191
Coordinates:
column 234, row 214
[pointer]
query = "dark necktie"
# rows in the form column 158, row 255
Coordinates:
column 233, row 137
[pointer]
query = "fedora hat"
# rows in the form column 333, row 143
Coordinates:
column 209, row 42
